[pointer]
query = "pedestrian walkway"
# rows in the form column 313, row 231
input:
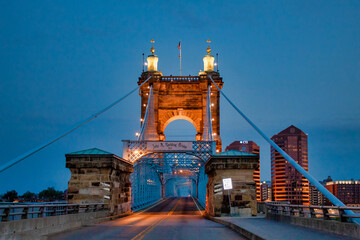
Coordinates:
column 262, row 228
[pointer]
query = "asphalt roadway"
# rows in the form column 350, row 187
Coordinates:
column 173, row 218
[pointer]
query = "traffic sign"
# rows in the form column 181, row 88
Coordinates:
column 227, row 183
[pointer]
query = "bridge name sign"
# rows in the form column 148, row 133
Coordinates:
column 170, row 146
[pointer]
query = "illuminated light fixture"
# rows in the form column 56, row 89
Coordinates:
column 141, row 119
column 211, row 94
column 144, row 105
column 214, row 134
column 199, row 164
column 146, row 64
column 136, row 152
column 148, row 86
column 147, row 94
column 215, row 64
column 212, row 104
column 217, row 150
column 181, row 171
column 212, row 119
column 137, row 134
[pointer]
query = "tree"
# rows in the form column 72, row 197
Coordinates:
column 10, row 196
column 28, row 196
column 51, row 194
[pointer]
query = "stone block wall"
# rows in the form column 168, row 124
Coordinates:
column 100, row 178
column 243, row 195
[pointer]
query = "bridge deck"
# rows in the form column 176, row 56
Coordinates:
column 174, row 218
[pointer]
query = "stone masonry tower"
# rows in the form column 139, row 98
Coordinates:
column 180, row 97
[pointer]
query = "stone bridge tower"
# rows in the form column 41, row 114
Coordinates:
column 180, row 97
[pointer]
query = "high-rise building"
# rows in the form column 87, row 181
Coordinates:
column 265, row 191
column 249, row 147
column 346, row 191
column 287, row 183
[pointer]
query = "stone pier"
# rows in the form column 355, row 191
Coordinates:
column 99, row 176
column 239, row 166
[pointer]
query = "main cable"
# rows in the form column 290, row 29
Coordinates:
column 44, row 145
column 307, row 175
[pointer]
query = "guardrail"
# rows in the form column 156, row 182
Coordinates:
column 180, row 78
column 24, row 211
column 312, row 211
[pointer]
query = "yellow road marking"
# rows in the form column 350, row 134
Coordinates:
column 142, row 234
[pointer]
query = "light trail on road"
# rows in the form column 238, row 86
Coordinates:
column 173, row 218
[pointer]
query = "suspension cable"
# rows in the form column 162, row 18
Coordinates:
column 307, row 175
column 44, row 145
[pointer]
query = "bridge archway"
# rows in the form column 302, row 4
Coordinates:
column 158, row 175
column 196, row 123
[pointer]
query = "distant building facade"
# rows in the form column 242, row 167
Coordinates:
column 249, row 147
column 346, row 191
column 265, row 191
column 316, row 197
column 287, row 183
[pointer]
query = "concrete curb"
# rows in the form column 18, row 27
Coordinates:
column 242, row 231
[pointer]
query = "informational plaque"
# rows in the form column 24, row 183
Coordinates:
column 169, row 146
column 227, row 183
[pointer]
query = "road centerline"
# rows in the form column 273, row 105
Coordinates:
column 146, row 231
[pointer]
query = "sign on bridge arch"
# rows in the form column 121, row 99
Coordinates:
column 134, row 150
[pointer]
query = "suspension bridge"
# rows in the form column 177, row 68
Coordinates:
column 168, row 183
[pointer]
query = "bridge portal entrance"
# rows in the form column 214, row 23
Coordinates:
column 167, row 168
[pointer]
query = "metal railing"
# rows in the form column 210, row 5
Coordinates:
column 23, row 211
column 313, row 211
column 180, row 78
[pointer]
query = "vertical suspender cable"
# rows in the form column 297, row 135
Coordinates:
column 44, row 145
column 307, row 175
column 209, row 115
column 141, row 136
column 207, row 131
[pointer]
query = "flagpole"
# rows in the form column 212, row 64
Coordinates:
column 179, row 47
column 180, row 61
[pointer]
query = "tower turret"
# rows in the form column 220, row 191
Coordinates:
column 152, row 60
column 208, row 61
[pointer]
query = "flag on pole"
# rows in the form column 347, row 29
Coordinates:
column 179, row 47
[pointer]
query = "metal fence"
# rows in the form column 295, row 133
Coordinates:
column 312, row 211
column 13, row 212
column 180, row 78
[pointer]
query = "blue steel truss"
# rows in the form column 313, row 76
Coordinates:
column 174, row 172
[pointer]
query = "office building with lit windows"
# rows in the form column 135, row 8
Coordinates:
column 287, row 183
column 265, row 191
column 249, row 147
column 346, row 191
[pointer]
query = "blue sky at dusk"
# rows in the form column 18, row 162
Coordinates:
column 282, row 63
